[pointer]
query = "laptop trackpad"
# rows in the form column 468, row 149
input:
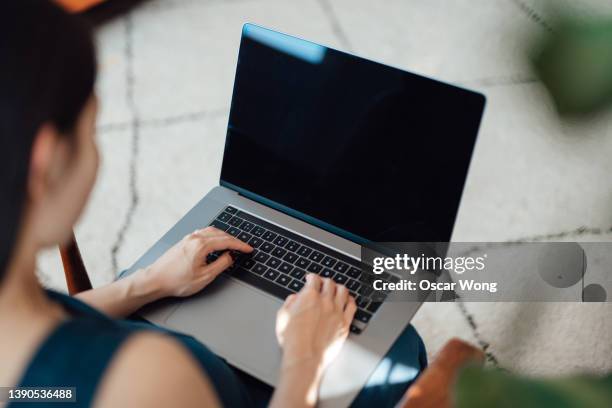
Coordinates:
column 237, row 323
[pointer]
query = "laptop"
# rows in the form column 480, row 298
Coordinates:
column 325, row 152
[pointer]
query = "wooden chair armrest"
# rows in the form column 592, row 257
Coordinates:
column 433, row 387
column 74, row 268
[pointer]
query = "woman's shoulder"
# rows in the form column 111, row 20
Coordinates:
column 153, row 369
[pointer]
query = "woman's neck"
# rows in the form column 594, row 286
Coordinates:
column 20, row 290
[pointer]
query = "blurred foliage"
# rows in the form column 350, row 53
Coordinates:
column 575, row 63
column 478, row 388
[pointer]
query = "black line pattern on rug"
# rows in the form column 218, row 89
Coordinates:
column 335, row 25
column 484, row 345
column 135, row 136
column 184, row 118
column 576, row 232
column 533, row 15
column 163, row 122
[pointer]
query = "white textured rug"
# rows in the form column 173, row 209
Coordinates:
column 166, row 79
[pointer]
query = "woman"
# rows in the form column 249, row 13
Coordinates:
column 48, row 167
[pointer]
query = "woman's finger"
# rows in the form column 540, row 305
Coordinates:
column 313, row 282
column 329, row 288
column 342, row 295
column 225, row 242
column 349, row 311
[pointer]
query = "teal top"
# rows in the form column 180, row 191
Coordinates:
column 78, row 351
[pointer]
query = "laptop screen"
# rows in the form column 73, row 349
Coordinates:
column 359, row 148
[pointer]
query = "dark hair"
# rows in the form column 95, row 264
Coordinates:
column 47, row 73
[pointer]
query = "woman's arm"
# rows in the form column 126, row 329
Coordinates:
column 123, row 297
column 181, row 271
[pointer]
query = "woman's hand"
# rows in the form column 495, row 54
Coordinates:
column 311, row 327
column 314, row 323
column 183, row 271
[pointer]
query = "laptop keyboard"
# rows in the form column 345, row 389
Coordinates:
column 281, row 259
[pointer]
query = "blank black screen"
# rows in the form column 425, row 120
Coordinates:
column 370, row 149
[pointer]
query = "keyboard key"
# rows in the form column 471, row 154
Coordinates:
column 259, row 269
column 233, row 231
column 261, row 257
column 368, row 278
column 243, row 236
column 285, row 267
column 231, row 210
column 279, row 252
column 213, row 256
column 235, row 221
column 361, row 301
column 353, row 272
column 255, row 242
column 290, row 257
column 353, row 285
column 365, row 290
column 283, row 280
column 304, row 251
column 281, row 241
column 316, row 256
column 314, row 268
column 341, row 267
column 267, row 247
column 273, row 262
column 327, row 273
column 362, row 316
column 292, row 246
column 270, row 274
column 328, row 261
column 248, row 263
column 268, row 236
column 220, row 225
column 355, row 330
column 373, row 307
column 341, row 279
column 258, row 231
column 247, row 226
column 296, row 285
column 297, row 273
column 302, row 263
column 224, row 217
